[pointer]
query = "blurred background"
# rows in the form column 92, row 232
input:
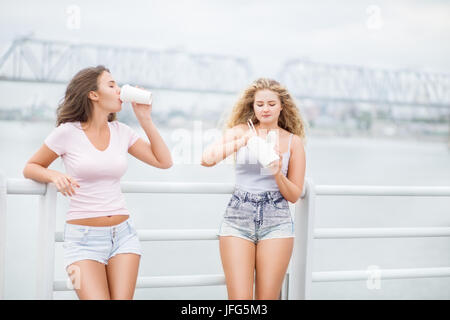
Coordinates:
column 371, row 79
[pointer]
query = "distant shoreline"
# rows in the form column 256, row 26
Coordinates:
column 331, row 132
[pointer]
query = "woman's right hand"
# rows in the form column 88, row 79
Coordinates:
column 64, row 183
column 232, row 140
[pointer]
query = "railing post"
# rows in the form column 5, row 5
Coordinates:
column 46, row 244
column 3, row 192
column 284, row 294
column 300, row 278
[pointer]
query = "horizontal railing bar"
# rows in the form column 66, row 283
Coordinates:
column 338, row 190
column 346, row 233
column 163, row 282
column 320, row 233
column 177, row 187
column 27, row 186
column 178, row 234
column 382, row 274
column 181, row 281
column 167, row 235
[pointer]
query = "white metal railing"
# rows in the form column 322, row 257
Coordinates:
column 48, row 235
column 298, row 280
column 3, row 192
column 302, row 275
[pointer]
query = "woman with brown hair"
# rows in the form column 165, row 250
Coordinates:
column 102, row 249
column 256, row 233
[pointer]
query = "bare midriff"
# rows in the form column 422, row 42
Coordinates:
column 106, row 221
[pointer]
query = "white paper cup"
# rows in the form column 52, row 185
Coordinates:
column 262, row 151
column 133, row 94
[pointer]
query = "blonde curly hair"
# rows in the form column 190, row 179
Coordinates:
column 290, row 118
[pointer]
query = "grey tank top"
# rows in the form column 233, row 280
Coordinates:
column 252, row 177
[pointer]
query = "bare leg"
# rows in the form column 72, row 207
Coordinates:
column 272, row 260
column 122, row 272
column 238, row 261
column 89, row 280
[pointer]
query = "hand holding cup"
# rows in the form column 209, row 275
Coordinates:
column 259, row 147
column 140, row 99
column 275, row 166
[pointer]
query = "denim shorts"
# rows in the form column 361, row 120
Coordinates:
column 99, row 243
column 257, row 216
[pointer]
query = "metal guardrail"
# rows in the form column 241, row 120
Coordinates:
column 298, row 280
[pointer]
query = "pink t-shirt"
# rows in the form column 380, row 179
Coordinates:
column 97, row 172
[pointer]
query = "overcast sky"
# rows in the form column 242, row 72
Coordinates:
column 388, row 34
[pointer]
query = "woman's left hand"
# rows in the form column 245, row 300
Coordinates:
column 275, row 166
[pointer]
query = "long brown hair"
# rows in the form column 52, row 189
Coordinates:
column 76, row 105
column 290, row 118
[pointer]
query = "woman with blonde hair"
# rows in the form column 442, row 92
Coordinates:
column 102, row 250
column 256, row 233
